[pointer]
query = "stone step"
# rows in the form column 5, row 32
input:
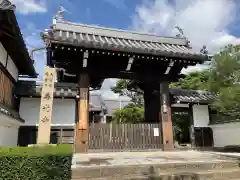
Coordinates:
column 207, row 169
column 232, row 174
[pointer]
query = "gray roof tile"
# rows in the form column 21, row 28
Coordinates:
column 106, row 38
column 69, row 90
column 195, row 96
column 96, row 102
column 10, row 112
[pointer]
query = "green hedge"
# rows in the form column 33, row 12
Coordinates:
column 36, row 163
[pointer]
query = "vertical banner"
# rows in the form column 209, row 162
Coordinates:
column 45, row 118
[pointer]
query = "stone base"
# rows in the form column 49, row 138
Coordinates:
column 31, row 145
column 147, row 165
column 193, row 171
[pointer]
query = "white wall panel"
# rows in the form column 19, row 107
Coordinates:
column 63, row 111
column 226, row 134
column 8, row 135
column 8, row 130
column 200, row 115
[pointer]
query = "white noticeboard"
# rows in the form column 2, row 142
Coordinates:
column 156, row 131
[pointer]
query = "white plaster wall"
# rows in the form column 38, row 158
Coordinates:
column 200, row 115
column 226, row 134
column 8, row 135
column 63, row 111
column 8, row 130
column 11, row 67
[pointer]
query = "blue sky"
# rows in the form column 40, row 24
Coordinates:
column 106, row 13
column 203, row 21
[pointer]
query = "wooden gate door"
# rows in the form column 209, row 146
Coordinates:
column 124, row 137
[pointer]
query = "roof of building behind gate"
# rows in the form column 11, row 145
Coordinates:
column 120, row 40
column 195, row 96
column 70, row 90
column 13, row 41
column 96, row 102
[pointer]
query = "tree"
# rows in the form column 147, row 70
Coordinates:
column 181, row 123
column 198, row 80
column 129, row 114
column 225, row 80
column 129, row 88
column 195, row 80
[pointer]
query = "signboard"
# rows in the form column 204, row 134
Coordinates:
column 155, row 131
column 45, row 116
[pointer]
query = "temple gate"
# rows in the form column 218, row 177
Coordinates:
column 89, row 54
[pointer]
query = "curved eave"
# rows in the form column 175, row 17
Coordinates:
column 16, row 47
column 85, row 44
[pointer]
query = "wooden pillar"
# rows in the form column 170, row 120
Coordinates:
column 151, row 104
column 81, row 141
column 44, row 128
column 166, row 118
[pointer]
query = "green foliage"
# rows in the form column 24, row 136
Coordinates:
column 37, row 162
column 128, row 88
column 225, row 81
column 129, row 114
column 181, row 122
column 194, row 80
column 222, row 79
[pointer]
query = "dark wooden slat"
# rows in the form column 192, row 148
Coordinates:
column 6, row 87
column 120, row 137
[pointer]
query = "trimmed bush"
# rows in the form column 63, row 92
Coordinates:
column 36, row 163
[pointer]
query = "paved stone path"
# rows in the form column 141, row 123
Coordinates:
column 141, row 158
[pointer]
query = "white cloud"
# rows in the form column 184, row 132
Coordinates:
column 30, row 6
column 32, row 35
column 203, row 21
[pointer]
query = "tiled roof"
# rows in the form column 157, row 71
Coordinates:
column 195, row 96
column 10, row 112
column 115, row 39
column 14, row 44
column 69, row 90
column 32, row 88
column 66, row 90
column 96, row 102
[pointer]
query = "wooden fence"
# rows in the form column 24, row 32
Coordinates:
column 122, row 137
column 103, row 137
